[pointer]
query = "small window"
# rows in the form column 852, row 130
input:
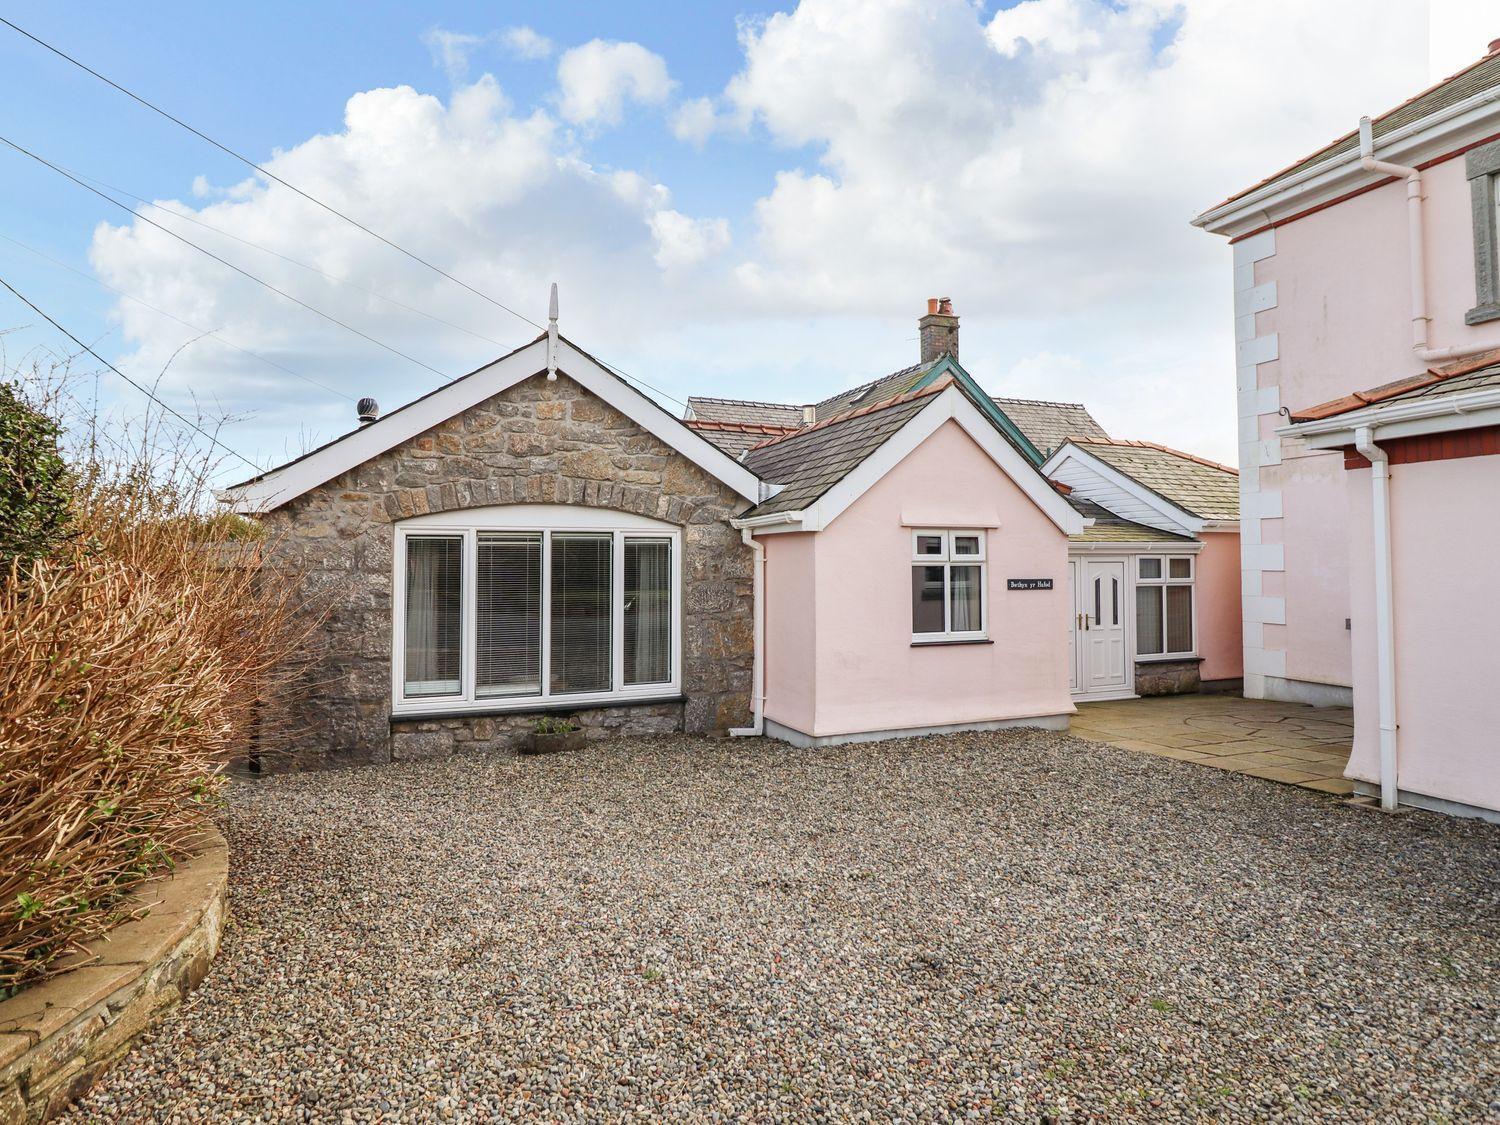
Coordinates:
column 1483, row 168
column 1164, row 607
column 948, row 586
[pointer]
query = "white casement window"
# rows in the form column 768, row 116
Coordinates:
column 1164, row 618
column 948, row 599
column 528, row 605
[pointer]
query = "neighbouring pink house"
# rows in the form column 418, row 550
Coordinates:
column 909, row 556
column 1367, row 302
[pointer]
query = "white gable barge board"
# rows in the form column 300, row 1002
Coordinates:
column 281, row 486
column 1120, row 492
column 949, row 405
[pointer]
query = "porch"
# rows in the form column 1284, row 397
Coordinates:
column 1286, row 742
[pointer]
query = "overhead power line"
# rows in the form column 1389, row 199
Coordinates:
column 269, row 175
column 245, row 160
column 143, row 201
column 184, row 419
column 222, row 261
column 214, row 332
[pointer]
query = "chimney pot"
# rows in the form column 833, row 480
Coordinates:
column 938, row 330
column 1494, row 46
column 369, row 411
column 809, row 415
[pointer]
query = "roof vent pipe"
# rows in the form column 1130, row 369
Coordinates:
column 369, row 411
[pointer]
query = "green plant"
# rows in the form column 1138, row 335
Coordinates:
column 547, row 724
column 35, row 484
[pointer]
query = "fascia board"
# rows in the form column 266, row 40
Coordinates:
column 1455, row 412
column 1169, row 511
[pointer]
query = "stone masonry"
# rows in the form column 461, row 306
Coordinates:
column 534, row 443
column 1167, row 677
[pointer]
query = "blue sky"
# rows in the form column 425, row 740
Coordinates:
column 849, row 160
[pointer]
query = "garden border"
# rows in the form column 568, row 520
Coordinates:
column 58, row 1036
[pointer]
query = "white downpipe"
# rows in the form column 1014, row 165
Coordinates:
column 1418, row 251
column 757, row 725
column 1385, row 626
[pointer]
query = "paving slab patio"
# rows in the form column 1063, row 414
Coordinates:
column 1287, row 742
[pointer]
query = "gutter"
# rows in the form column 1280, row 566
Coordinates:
column 1338, row 429
column 1385, row 630
column 1418, row 251
column 757, row 725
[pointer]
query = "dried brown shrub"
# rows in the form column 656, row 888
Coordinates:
column 140, row 657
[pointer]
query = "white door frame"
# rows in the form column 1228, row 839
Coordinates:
column 1079, row 650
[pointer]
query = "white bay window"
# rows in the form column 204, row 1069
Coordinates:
column 534, row 605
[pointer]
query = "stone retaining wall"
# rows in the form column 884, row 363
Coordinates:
column 1167, row 677
column 58, row 1036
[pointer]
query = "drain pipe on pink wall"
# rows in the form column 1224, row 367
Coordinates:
column 757, row 725
column 1418, row 251
column 1385, row 625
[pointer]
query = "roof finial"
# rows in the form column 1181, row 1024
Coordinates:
column 552, row 336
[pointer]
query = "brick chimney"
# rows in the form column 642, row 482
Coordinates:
column 938, row 330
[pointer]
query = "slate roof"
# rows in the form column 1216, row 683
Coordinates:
column 811, row 462
column 734, row 438
column 1472, row 374
column 877, row 390
column 1110, row 528
column 705, row 409
column 1205, row 488
column 1473, row 79
column 1048, row 424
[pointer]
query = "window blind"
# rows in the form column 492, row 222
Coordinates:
column 582, row 621
column 508, row 614
column 434, row 614
column 1148, row 631
column 648, row 611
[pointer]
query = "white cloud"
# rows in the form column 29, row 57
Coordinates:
column 695, row 121
column 450, row 50
column 525, row 43
column 683, row 242
column 596, row 80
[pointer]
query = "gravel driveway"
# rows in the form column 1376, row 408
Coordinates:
column 973, row 925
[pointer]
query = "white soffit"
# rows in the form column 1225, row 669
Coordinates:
column 1177, row 519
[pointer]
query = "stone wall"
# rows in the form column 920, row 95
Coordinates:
column 538, row 443
column 1167, row 677
column 58, row 1036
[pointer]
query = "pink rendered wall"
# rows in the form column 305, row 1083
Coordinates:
column 790, row 641
column 1219, row 629
column 1343, row 322
column 869, row 677
column 1446, row 614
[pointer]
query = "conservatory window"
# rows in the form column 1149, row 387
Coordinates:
column 501, row 616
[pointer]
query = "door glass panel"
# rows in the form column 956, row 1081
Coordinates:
column 582, row 626
column 508, row 614
column 967, row 616
column 1098, row 601
column 1180, row 568
column 434, row 614
column 1150, row 568
column 1148, row 636
column 648, row 611
column 1114, row 601
column 1179, row 619
column 926, row 599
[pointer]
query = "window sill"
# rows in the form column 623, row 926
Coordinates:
column 490, row 711
column 1185, row 658
column 1482, row 314
column 954, row 641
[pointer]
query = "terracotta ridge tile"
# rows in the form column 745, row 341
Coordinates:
column 740, row 427
column 1397, row 387
column 940, row 385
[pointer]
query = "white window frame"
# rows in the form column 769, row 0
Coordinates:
column 947, row 560
column 1191, row 581
column 546, row 519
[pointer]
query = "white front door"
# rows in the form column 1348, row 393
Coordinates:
column 1099, row 644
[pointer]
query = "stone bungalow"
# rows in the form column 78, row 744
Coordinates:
column 540, row 537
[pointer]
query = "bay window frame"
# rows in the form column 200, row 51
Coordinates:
column 948, row 559
column 468, row 526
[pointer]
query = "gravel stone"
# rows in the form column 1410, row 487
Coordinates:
column 1010, row 924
